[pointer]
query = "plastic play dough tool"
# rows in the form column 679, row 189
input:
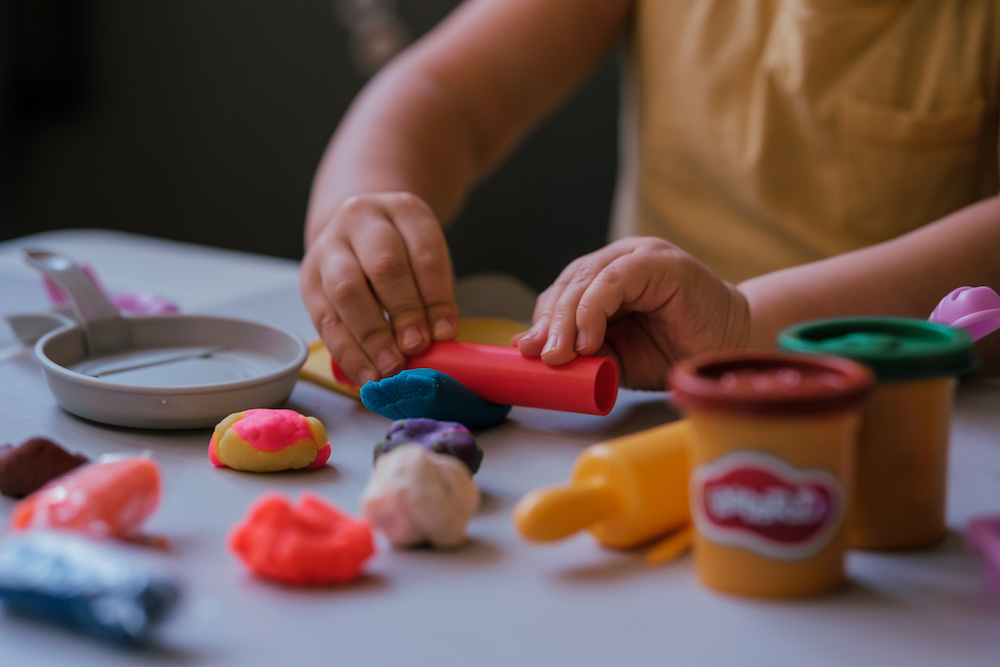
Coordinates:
column 318, row 369
column 625, row 491
column 501, row 374
column 104, row 328
column 163, row 371
column 975, row 309
column 671, row 547
column 982, row 535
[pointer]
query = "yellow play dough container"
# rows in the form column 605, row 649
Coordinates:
column 772, row 445
column 900, row 488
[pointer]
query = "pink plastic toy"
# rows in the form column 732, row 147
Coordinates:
column 135, row 302
column 975, row 309
column 983, row 536
column 503, row 375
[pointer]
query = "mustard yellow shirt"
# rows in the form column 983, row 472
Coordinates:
column 769, row 133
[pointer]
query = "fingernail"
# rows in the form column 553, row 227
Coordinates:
column 581, row 340
column 551, row 344
column 412, row 337
column 386, row 361
column 443, row 329
column 366, row 376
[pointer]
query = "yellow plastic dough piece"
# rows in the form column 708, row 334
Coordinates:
column 317, row 369
column 671, row 547
column 488, row 330
column 624, row 491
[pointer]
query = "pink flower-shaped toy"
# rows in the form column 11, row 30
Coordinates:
column 975, row 309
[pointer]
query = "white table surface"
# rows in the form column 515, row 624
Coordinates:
column 499, row 600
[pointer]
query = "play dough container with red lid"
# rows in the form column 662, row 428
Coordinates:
column 772, row 446
column 900, row 479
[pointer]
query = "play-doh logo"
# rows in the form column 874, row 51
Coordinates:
column 759, row 502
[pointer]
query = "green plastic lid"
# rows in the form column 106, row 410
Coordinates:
column 895, row 348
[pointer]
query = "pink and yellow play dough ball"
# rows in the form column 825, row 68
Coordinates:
column 265, row 440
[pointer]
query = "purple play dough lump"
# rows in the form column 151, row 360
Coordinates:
column 442, row 437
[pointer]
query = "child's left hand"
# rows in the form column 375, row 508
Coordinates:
column 644, row 301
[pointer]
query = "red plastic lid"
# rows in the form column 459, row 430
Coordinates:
column 768, row 383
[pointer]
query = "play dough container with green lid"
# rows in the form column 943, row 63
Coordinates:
column 900, row 480
column 773, row 441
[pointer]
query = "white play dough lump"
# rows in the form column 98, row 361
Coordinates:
column 416, row 496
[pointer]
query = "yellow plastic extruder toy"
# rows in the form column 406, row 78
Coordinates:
column 625, row 492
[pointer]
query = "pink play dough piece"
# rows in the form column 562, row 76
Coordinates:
column 271, row 430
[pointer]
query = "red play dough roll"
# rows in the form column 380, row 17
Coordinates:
column 104, row 499
column 501, row 374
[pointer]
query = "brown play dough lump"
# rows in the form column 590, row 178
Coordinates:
column 32, row 464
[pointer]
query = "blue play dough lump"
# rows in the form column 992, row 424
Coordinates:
column 424, row 392
column 449, row 438
column 80, row 584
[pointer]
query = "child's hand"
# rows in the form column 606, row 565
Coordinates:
column 378, row 284
column 643, row 300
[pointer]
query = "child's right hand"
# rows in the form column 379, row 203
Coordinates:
column 643, row 300
column 378, row 283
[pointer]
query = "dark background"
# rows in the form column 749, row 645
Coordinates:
column 203, row 121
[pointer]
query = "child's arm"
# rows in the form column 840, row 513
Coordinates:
column 651, row 304
column 906, row 276
column 417, row 138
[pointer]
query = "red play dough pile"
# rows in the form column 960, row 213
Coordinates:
column 312, row 543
